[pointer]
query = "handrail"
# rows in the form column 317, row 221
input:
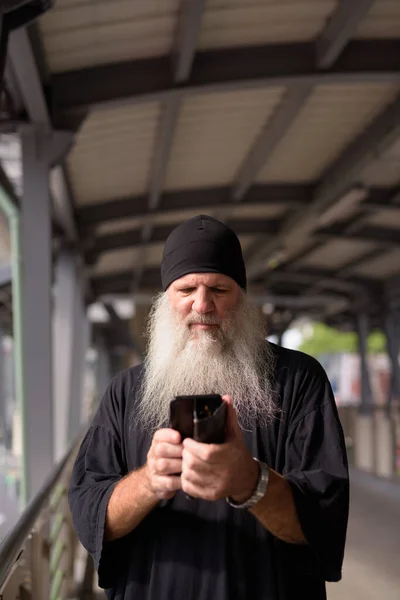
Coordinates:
column 11, row 546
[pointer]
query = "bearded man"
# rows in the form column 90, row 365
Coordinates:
column 262, row 515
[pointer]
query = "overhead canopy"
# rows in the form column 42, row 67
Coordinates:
column 280, row 117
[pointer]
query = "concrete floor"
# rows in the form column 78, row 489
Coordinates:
column 372, row 560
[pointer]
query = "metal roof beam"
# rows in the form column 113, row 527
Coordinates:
column 389, row 236
column 353, row 264
column 120, row 283
column 185, row 49
column 201, row 198
column 25, row 71
column 339, row 30
column 216, row 70
column 323, row 278
column 26, row 74
column 186, row 37
column 339, row 179
column 169, row 120
column 269, row 138
column 133, row 237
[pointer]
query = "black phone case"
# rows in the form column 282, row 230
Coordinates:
column 211, row 430
column 185, row 411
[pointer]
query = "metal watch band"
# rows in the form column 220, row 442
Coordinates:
column 259, row 491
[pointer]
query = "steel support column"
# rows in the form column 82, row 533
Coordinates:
column 65, row 293
column 103, row 370
column 392, row 331
column 36, row 252
column 366, row 394
column 3, row 398
column 80, row 346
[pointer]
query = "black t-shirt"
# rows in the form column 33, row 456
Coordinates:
column 188, row 549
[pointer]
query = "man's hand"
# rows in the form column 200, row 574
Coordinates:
column 215, row 471
column 164, row 464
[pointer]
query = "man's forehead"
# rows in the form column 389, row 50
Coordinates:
column 209, row 279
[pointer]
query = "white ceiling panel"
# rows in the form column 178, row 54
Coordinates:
column 385, row 170
column 336, row 254
column 118, row 226
column 254, row 211
column 385, row 218
column 113, row 152
column 245, row 23
column 214, row 134
column 381, row 21
column 178, row 216
column 330, row 119
column 87, row 33
column 386, row 265
column 115, row 261
column 153, row 254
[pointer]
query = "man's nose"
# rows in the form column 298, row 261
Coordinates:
column 203, row 302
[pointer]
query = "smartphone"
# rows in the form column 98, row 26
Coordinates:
column 200, row 416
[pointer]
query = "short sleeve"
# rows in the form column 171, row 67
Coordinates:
column 98, row 468
column 316, row 468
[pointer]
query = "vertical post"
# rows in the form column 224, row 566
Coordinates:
column 103, row 369
column 3, row 47
column 36, row 253
column 3, row 396
column 63, row 348
column 363, row 330
column 392, row 331
column 364, row 447
column 80, row 346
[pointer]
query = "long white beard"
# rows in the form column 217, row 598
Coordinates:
column 234, row 359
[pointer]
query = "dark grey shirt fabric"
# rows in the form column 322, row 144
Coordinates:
column 188, row 549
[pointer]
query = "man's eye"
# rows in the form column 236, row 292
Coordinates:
column 187, row 290
column 218, row 291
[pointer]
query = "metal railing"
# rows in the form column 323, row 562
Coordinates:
column 37, row 557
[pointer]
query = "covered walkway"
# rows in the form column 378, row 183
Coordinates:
column 121, row 119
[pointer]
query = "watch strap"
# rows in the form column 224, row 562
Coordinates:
column 260, row 490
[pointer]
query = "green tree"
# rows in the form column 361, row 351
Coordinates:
column 322, row 339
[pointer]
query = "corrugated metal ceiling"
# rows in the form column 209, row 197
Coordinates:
column 381, row 21
column 384, row 171
column 386, row 265
column 332, row 116
column 238, row 23
column 214, row 133
column 336, row 253
column 113, row 152
column 87, row 33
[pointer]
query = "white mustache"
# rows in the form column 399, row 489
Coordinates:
column 203, row 320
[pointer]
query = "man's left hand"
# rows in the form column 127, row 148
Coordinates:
column 215, row 471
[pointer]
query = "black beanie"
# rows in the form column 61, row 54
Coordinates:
column 202, row 245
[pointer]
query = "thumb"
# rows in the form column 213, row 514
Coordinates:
column 232, row 425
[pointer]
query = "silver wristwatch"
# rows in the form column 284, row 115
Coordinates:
column 260, row 490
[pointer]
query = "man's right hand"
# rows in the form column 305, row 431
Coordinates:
column 164, row 464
